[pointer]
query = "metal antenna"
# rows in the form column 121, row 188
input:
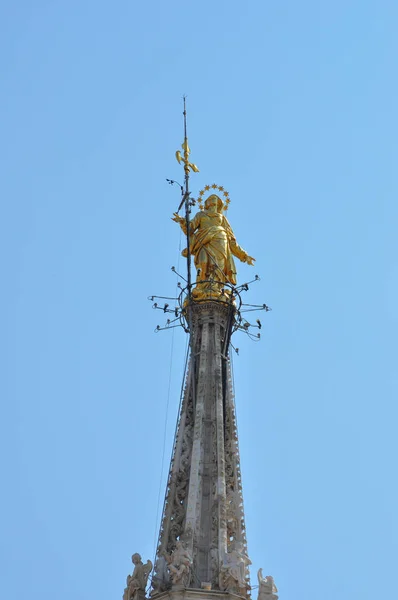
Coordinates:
column 186, row 200
column 187, row 167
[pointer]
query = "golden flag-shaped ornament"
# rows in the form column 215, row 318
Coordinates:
column 185, row 146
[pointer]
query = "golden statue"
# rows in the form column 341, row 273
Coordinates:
column 213, row 246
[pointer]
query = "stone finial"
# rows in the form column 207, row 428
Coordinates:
column 138, row 580
column 266, row 587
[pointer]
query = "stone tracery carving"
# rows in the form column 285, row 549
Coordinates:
column 174, row 512
column 214, row 566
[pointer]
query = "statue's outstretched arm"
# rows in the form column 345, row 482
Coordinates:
column 234, row 246
column 181, row 221
column 239, row 252
column 194, row 224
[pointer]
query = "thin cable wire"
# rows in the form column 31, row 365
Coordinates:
column 157, row 524
column 237, row 429
column 164, row 437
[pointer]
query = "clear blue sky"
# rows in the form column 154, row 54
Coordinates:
column 293, row 108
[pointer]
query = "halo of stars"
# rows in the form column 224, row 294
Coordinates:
column 214, row 186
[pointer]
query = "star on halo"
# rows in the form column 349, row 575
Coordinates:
column 222, row 190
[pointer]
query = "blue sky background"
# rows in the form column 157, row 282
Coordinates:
column 293, row 108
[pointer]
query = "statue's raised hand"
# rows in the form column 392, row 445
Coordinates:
column 250, row 260
column 176, row 217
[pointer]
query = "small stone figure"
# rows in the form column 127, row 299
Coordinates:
column 233, row 572
column 266, row 587
column 180, row 565
column 161, row 578
column 138, row 580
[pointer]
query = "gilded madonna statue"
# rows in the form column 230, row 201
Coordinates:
column 213, row 245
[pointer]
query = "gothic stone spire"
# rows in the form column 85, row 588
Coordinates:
column 204, row 505
column 202, row 548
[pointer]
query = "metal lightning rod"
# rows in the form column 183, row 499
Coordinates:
column 186, row 199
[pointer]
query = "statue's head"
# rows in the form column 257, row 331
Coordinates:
column 216, row 201
column 136, row 558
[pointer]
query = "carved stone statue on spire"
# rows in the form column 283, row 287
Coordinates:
column 180, row 565
column 213, row 246
column 233, row 572
column 161, row 577
column 138, row 580
column 266, row 587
